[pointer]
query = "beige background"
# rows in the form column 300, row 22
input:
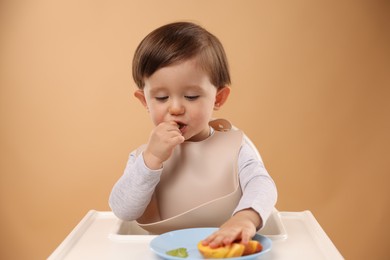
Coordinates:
column 310, row 87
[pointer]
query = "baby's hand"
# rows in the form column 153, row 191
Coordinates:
column 162, row 141
column 241, row 227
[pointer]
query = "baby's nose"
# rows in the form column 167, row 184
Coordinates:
column 176, row 108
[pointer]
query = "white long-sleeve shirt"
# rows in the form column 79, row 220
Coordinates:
column 133, row 191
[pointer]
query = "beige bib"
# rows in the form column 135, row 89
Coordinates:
column 199, row 185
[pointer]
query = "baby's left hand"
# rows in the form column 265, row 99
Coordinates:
column 241, row 227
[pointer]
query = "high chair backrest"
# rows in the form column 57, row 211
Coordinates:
column 251, row 144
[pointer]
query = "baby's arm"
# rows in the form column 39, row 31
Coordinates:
column 258, row 200
column 132, row 193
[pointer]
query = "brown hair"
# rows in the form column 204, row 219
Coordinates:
column 178, row 42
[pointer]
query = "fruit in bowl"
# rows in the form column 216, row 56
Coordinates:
column 236, row 249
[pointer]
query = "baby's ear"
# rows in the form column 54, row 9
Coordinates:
column 221, row 97
column 140, row 95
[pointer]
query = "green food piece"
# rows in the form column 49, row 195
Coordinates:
column 179, row 252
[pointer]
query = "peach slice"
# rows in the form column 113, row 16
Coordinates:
column 233, row 250
column 252, row 247
column 209, row 252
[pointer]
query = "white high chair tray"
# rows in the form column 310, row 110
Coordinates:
column 100, row 235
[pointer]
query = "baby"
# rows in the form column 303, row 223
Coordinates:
column 193, row 171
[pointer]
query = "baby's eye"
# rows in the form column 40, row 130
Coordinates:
column 191, row 97
column 162, row 98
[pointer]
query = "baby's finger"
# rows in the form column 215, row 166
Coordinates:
column 178, row 139
column 173, row 126
column 245, row 237
column 217, row 241
column 208, row 239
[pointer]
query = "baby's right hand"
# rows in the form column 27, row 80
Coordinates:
column 162, row 141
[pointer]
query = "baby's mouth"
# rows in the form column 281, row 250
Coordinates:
column 180, row 125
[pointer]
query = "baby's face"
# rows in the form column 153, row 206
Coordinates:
column 182, row 93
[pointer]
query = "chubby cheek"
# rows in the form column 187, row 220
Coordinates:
column 201, row 116
column 156, row 115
